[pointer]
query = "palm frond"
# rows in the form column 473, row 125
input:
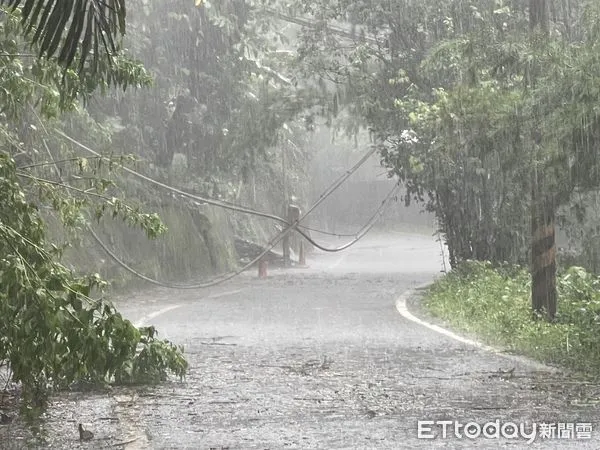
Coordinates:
column 72, row 30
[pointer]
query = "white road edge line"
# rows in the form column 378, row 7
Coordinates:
column 337, row 262
column 224, row 294
column 404, row 312
column 151, row 316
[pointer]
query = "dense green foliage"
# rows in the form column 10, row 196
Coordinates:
column 469, row 109
column 494, row 303
column 219, row 99
column 52, row 332
column 216, row 100
column 55, row 328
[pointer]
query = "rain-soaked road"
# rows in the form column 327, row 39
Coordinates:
column 320, row 358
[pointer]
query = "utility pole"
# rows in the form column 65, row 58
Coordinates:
column 285, row 242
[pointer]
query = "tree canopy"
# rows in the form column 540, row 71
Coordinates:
column 485, row 109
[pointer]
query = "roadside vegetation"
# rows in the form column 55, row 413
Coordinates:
column 494, row 304
column 57, row 329
column 202, row 109
column 486, row 111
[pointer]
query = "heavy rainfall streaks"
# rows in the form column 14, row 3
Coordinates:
column 273, row 241
column 360, row 148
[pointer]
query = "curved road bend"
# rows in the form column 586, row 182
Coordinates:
column 319, row 358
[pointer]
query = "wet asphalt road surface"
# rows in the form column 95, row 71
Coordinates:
column 320, row 358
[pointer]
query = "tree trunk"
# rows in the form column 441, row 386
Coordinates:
column 543, row 252
column 538, row 14
column 543, row 256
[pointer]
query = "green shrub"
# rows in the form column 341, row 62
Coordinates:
column 495, row 303
column 52, row 332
